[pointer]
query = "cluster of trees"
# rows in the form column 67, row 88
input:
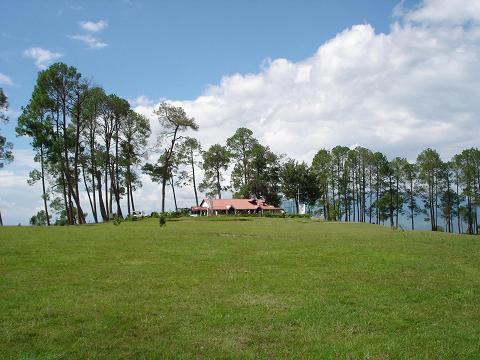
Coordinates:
column 361, row 185
column 86, row 140
column 350, row 184
column 82, row 138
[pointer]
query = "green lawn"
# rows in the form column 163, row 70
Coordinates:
column 247, row 288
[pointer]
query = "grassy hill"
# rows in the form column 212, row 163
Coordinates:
column 244, row 288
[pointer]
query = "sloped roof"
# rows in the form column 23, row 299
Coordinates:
column 238, row 204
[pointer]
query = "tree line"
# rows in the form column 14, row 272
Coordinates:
column 91, row 145
column 84, row 141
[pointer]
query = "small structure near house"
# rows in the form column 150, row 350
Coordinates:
column 212, row 207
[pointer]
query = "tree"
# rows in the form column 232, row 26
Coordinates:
column 91, row 148
column 468, row 164
column 65, row 90
column 240, row 146
column 298, row 183
column 410, row 174
column 174, row 121
column 189, row 150
column 40, row 219
column 215, row 161
column 264, row 178
column 6, row 155
column 429, row 165
column 321, row 167
column 398, row 165
column 135, row 131
column 35, row 123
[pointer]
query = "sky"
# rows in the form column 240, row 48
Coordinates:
column 393, row 76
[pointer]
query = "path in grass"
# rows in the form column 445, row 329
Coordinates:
column 261, row 288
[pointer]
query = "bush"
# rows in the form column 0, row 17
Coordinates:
column 299, row 216
column 174, row 214
column 274, row 215
column 154, row 214
column 117, row 220
column 162, row 219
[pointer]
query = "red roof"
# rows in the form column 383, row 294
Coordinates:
column 238, row 204
column 198, row 208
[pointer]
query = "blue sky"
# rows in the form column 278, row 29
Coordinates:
column 171, row 49
column 394, row 76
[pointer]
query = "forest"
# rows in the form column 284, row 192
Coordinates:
column 91, row 148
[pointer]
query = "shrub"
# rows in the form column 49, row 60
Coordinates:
column 117, row 220
column 154, row 214
column 174, row 214
column 162, row 219
column 274, row 215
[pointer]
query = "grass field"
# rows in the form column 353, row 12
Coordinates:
column 246, row 288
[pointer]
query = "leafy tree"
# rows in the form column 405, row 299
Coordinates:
column 35, row 123
column 410, row 175
column 264, row 181
column 6, row 154
column 174, row 121
column 298, row 183
column 135, row 131
column 429, row 165
column 398, row 165
column 321, row 167
column 215, row 161
column 65, row 90
column 241, row 146
column 189, row 151
column 40, row 219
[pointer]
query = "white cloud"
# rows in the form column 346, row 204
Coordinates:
column 93, row 26
column 400, row 92
column 89, row 40
column 142, row 100
column 445, row 11
column 42, row 57
column 5, row 80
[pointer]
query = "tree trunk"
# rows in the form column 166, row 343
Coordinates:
column 164, row 183
column 397, row 205
column 412, row 209
column 219, row 187
column 193, row 178
column 87, row 189
column 174, row 196
column 391, row 202
column 103, row 210
column 43, row 185
column 94, row 171
column 131, row 198
column 117, row 177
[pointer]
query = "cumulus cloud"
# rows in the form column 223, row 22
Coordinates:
column 93, row 26
column 5, row 80
column 399, row 92
column 89, row 40
column 42, row 57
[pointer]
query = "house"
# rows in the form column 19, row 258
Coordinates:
column 233, row 207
